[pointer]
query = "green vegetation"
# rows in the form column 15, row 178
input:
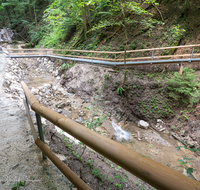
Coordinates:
column 184, row 87
column 66, row 66
column 120, row 90
column 17, row 185
column 184, row 161
column 93, row 123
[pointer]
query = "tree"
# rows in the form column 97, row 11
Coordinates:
column 120, row 9
column 186, row 7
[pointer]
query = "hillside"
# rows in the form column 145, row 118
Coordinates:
column 112, row 101
column 100, row 25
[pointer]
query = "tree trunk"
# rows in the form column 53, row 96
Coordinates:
column 35, row 15
column 186, row 7
column 8, row 16
column 85, row 21
column 125, row 47
column 29, row 7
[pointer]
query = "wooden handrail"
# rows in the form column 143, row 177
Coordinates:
column 110, row 52
column 150, row 171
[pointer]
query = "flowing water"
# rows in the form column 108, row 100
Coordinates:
column 6, row 35
column 120, row 133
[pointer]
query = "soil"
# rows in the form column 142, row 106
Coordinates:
column 20, row 158
column 87, row 99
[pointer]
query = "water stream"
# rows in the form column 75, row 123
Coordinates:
column 6, row 35
column 119, row 132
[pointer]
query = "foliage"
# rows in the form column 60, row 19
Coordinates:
column 120, row 90
column 66, row 66
column 17, row 185
column 174, row 34
column 184, row 87
column 93, row 122
column 97, row 174
column 23, row 16
column 115, row 9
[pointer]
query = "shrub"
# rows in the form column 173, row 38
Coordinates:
column 184, row 87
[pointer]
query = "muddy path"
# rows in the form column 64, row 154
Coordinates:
column 43, row 77
column 20, row 158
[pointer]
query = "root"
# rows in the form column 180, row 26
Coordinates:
column 158, row 12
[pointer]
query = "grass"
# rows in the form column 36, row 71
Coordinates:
column 17, row 185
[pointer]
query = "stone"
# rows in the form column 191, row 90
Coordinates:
column 60, row 105
column 143, row 124
column 34, row 91
column 59, row 110
column 81, row 113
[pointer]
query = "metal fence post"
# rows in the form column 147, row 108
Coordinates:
column 27, row 103
column 39, row 124
column 191, row 55
column 152, row 56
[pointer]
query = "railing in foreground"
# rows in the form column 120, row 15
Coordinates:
column 150, row 171
column 150, row 56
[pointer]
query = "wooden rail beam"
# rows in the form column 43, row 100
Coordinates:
column 150, row 171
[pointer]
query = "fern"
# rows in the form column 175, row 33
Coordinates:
column 184, row 87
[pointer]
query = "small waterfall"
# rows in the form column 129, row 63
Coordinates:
column 6, row 35
column 119, row 132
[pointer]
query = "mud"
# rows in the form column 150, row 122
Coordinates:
column 20, row 158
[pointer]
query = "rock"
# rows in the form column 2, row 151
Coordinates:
column 60, row 105
column 34, row 91
column 190, row 141
column 143, row 124
column 59, row 110
column 161, row 126
column 81, row 113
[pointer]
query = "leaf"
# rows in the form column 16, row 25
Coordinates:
column 185, row 158
column 178, row 147
column 189, row 171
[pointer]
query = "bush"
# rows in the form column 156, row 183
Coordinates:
column 184, row 87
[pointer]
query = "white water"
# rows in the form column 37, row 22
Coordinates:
column 120, row 133
column 6, row 35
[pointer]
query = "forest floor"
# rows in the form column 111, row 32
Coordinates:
column 87, row 95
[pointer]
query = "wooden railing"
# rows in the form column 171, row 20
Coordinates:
column 115, row 56
column 150, row 171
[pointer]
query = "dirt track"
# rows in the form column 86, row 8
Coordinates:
column 20, row 158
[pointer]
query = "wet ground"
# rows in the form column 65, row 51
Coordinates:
column 20, row 159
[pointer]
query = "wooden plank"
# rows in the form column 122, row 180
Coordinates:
column 86, row 57
column 110, row 52
column 35, row 136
